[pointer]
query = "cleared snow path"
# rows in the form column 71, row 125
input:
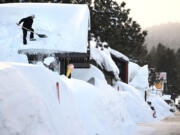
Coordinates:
column 168, row 126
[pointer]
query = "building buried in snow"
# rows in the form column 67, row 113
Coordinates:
column 67, row 28
column 122, row 63
column 113, row 63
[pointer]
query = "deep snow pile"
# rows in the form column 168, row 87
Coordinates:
column 138, row 109
column 132, row 98
column 29, row 105
column 33, row 108
column 138, row 76
column 161, row 107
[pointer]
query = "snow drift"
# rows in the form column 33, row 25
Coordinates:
column 161, row 107
column 29, row 104
column 138, row 76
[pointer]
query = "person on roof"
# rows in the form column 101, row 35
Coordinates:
column 27, row 26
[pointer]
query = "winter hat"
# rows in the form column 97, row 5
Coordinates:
column 33, row 15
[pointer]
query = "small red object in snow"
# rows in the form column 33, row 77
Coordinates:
column 57, row 86
column 118, row 88
column 154, row 114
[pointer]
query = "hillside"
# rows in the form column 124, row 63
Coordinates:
column 167, row 34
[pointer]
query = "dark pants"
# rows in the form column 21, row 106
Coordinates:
column 25, row 35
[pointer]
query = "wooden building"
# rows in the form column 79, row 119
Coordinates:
column 67, row 39
column 79, row 60
column 122, row 64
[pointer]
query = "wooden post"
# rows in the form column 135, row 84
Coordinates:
column 63, row 67
column 145, row 95
column 126, row 72
column 58, row 94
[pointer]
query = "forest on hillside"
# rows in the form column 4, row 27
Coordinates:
column 168, row 34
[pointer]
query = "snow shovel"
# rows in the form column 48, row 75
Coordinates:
column 39, row 35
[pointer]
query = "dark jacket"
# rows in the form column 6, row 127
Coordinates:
column 27, row 22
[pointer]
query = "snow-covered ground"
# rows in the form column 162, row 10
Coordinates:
column 28, row 95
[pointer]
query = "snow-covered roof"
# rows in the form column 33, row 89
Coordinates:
column 66, row 26
column 103, row 59
column 118, row 54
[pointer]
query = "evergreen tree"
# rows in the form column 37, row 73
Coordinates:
column 164, row 59
column 178, row 71
column 111, row 22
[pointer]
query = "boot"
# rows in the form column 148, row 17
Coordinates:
column 32, row 39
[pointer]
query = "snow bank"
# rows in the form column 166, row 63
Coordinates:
column 161, row 107
column 83, row 109
column 86, row 74
column 132, row 70
column 60, row 22
column 134, row 101
column 138, row 76
column 101, row 109
column 110, row 109
column 29, row 104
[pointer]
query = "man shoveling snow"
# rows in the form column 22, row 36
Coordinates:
column 27, row 26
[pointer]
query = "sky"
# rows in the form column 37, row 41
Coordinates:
column 153, row 12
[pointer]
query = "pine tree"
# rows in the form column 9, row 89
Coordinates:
column 178, row 71
column 164, row 59
column 111, row 22
column 153, row 79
